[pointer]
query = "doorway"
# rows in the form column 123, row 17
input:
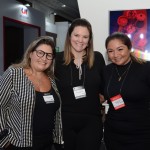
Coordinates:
column 17, row 36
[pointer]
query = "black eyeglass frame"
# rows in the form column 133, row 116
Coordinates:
column 41, row 54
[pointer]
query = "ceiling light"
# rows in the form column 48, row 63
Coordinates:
column 63, row 5
column 53, row 13
column 28, row 5
column 25, row 3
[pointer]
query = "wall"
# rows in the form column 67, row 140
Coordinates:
column 29, row 35
column 62, row 28
column 11, row 9
column 97, row 12
column 59, row 28
column 49, row 16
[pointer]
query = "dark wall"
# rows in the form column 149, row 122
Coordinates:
column 13, row 45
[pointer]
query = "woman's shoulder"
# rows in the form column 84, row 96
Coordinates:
column 98, row 54
column 59, row 55
column 144, row 64
column 13, row 69
column 109, row 67
column 59, row 60
column 12, row 72
column 148, row 63
column 99, row 57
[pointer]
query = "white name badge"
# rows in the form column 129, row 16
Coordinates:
column 117, row 101
column 48, row 99
column 79, row 92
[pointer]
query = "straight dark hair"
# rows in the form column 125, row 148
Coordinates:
column 126, row 41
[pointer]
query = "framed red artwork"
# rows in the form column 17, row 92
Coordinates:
column 136, row 24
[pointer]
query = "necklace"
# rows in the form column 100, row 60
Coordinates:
column 78, row 66
column 125, row 72
column 78, row 62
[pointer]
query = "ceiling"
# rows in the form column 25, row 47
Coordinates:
column 68, row 13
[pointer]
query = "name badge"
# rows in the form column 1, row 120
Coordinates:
column 79, row 92
column 48, row 99
column 117, row 101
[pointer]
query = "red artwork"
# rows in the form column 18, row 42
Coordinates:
column 134, row 23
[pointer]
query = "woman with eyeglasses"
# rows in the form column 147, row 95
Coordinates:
column 30, row 106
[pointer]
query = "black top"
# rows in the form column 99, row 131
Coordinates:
column 67, row 77
column 44, row 113
column 132, row 122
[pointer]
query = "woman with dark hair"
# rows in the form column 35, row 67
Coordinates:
column 78, row 72
column 30, row 106
column 127, row 89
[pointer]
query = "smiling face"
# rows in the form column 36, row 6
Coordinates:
column 118, row 53
column 40, row 64
column 79, row 39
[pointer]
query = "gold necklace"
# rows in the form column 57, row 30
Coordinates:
column 126, row 71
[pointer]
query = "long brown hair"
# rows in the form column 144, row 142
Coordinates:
column 89, row 49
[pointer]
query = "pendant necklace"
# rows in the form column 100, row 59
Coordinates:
column 78, row 66
column 78, row 61
column 125, row 72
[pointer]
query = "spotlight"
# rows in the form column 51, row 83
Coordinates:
column 26, row 3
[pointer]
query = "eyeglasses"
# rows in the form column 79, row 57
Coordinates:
column 41, row 53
